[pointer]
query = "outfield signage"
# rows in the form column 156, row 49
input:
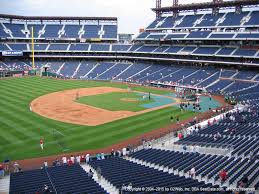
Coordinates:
column 12, row 53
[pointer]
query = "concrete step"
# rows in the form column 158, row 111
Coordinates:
column 4, row 184
column 105, row 184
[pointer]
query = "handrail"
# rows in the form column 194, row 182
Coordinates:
column 52, row 184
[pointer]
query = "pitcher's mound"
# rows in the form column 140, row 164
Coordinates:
column 129, row 99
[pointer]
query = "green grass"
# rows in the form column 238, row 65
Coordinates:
column 113, row 101
column 21, row 129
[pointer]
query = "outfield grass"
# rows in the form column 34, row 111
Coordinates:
column 113, row 101
column 21, row 129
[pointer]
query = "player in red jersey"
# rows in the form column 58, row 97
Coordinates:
column 41, row 143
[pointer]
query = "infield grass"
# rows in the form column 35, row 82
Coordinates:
column 21, row 129
column 117, row 101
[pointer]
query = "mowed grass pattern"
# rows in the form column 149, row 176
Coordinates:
column 116, row 101
column 21, row 129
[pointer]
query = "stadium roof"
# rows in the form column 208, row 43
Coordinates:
column 207, row 5
column 6, row 16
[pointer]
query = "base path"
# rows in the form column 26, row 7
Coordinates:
column 61, row 106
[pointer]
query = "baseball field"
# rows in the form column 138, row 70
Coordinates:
column 21, row 127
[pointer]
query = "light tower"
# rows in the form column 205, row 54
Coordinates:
column 158, row 5
column 175, row 4
column 215, row 10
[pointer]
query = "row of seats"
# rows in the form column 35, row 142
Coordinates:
column 137, row 48
column 58, row 31
column 206, row 165
column 141, row 72
column 121, row 172
column 228, row 19
column 198, row 34
column 59, row 179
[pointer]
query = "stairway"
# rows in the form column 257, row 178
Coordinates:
column 106, row 185
column 4, row 184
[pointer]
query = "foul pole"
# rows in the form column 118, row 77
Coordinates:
column 32, row 47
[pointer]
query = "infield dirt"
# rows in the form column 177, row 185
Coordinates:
column 61, row 106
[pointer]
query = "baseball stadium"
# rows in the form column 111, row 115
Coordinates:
column 174, row 109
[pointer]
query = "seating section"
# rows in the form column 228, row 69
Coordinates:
column 79, row 47
column 68, row 69
column 56, row 31
column 138, row 48
column 3, row 47
column 39, row 47
column 201, row 35
column 73, row 179
column 113, row 72
column 206, row 165
column 18, row 46
column 198, row 34
column 221, row 84
column 84, row 69
column 100, row 47
column 91, row 31
column 71, row 31
column 230, row 19
column 110, row 31
column 16, row 29
column 3, row 33
column 213, row 79
column 99, row 69
column 206, row 50
column 58, row 47
column 29, row 182
column 121, row 172
column 60, row 179
column 15, row 65
column 51, row 31
column 233, row 19
column 245, row 52
column 120, row 47
column 37, row 28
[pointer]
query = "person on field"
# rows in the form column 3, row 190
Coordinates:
column 41, row 143
column 177, row 119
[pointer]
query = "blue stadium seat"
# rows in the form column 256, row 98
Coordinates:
column 16, row 29
column 51, row 31
column 91, row 31
column 79, row 47
column 110, row 31
column 71, row 31
column 100, row 47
